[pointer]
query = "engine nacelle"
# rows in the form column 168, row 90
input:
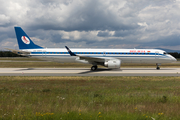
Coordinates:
column 113, row 64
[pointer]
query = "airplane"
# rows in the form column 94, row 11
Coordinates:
column 110, row 58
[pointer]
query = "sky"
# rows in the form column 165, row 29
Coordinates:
column 92, row 23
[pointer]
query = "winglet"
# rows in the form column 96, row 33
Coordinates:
column 71, row 53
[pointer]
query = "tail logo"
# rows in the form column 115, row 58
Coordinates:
column 25, row 39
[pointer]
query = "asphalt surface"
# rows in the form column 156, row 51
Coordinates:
column 87, row 72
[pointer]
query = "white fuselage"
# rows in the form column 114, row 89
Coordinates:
column 125, row 55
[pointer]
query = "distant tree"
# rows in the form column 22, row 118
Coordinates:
column 175, row 54
column 9, row 54
column 1, row 54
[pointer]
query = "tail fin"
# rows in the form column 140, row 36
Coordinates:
column 24, row 41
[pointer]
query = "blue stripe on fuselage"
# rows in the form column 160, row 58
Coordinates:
column 96, row 53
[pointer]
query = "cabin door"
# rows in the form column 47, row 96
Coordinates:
column 157, row 55
column 104, row 53
column 43, row 53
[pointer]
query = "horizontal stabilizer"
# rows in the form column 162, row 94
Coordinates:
column 18, row 51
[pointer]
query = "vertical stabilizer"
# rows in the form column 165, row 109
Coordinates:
column 24, row 41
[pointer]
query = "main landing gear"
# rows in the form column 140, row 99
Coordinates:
column 93, row 68
column 158, row 64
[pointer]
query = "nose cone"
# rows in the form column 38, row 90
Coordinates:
column 173, row 59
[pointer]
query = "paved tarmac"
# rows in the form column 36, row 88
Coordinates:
column 87, row 72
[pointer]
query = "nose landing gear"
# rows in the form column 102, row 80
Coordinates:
column 158, row 64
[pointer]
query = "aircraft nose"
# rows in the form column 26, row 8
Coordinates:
column 173, row 59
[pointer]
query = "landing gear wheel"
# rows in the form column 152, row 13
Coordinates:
column 158, row 68
column 93, row 68
column 158, row 64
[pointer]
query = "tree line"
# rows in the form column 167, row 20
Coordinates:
column 10, row 54
column 175, row 54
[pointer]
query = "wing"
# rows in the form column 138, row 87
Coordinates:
column 111, row 63
column 87, row 58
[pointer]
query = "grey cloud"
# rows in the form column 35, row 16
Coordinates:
column 112, row 43
column 104, row 34
column 123, row 33
column 172, row 40
column 91, row 15
column 44, row 19
column 66, row 2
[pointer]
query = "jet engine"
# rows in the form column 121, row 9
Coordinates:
column 113, row 63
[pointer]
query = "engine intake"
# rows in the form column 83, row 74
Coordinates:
column 113, row 63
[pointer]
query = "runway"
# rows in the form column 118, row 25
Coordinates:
column 87, row 72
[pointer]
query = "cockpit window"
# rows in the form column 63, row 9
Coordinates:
column 165, row 53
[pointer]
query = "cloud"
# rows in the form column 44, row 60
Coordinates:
column 81, row 15
column 168, row 40
column 93, row 23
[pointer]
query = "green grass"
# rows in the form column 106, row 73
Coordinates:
column 91, row 98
